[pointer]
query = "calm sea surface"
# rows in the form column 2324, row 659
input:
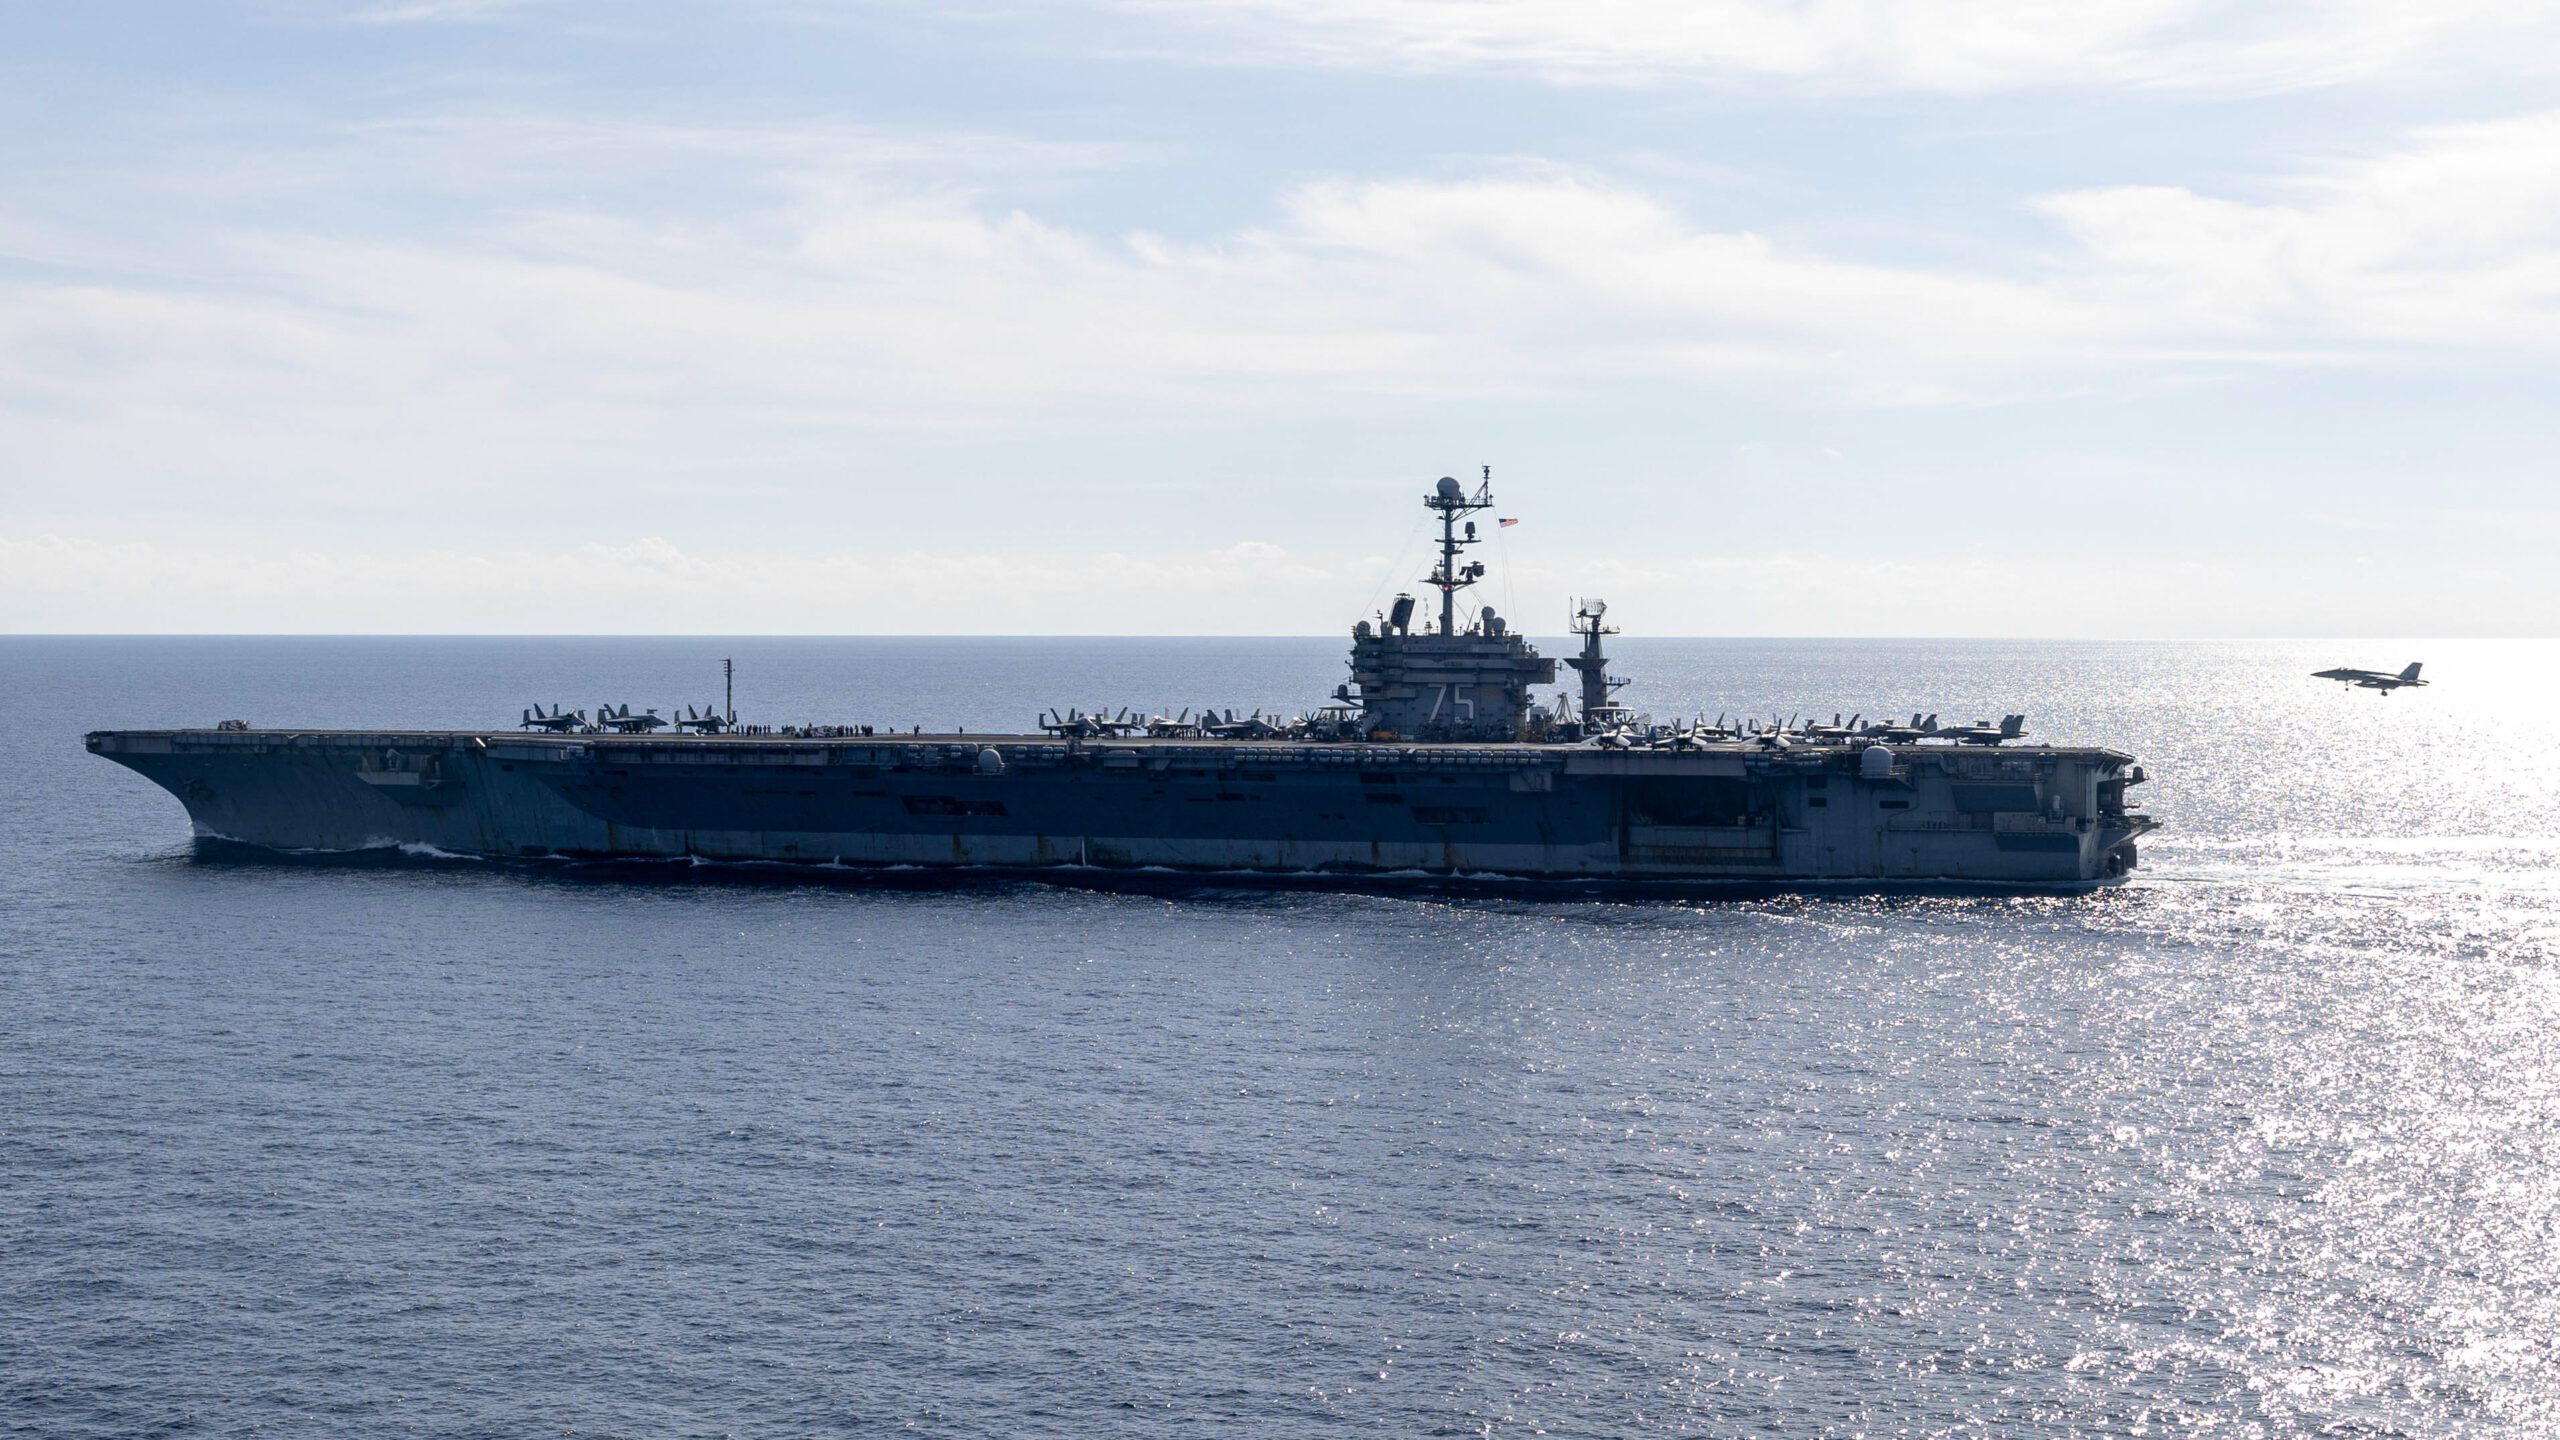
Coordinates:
column 2265, row 1143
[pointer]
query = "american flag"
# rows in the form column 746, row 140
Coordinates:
column 1507, row 522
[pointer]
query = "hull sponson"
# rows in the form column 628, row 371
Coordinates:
column 2015, row 815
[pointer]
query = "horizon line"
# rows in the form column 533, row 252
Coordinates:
column 1099, row 635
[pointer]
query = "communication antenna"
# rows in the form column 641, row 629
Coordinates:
column 729, row 691
column 1451, row 500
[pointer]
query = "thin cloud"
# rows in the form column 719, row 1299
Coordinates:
column 416, row 12
column 1959, row 47
column 2452, row 239
column 1947, row 46
column 650, row 585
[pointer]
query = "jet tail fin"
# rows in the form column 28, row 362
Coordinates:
column 2412, row 672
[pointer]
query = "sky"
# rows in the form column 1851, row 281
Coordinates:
column 2123, row 318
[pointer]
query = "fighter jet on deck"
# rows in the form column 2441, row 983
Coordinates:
column 1982, row 732
column 707, row 721
column 2371, row 679
column 624, row 722
column 559, row 722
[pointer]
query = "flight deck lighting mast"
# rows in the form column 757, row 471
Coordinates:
column 1452, row 500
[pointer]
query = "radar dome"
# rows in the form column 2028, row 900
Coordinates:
column 1450, row 489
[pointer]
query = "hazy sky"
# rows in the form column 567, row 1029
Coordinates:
column 1862, row 317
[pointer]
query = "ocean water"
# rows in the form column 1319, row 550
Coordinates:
column 2265, row 1143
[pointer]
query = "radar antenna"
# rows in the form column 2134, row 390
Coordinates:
column 1598, row 685
column 1452, row 500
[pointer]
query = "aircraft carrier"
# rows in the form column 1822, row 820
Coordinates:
column 1435, row 758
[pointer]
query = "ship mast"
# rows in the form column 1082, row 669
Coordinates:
column 1452, row 500
column 1598, row 685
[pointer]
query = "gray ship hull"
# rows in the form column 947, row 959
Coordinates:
column 2016, row 815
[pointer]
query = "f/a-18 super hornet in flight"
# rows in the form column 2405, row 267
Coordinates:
column 2371, row 679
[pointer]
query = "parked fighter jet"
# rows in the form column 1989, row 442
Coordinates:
column 2371, row 679
column 559, row 722
column 709, row 721
column 1253, row 727
column 627, row 723
column 1332, row 722
column 1892, row 734
column 1693, row 734
column 1073, row 724
column 1982, row 732
column 1613, row 738
column 1775, row 737
column 1836, row 730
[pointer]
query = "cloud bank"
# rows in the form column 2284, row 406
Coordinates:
column 867, row 283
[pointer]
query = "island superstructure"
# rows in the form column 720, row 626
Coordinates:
column 1436, row 758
